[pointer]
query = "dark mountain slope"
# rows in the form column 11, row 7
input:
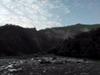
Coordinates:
column 83, row 45
column 15, row 40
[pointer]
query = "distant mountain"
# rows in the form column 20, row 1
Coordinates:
column 15, row 40
column 68, row 31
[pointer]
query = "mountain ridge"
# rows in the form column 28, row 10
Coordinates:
column 16, row 40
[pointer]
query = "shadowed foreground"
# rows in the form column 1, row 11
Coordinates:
column 48, row 66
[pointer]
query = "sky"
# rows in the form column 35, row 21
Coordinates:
column 49, row 13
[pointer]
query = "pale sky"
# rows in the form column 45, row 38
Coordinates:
column 49, row 13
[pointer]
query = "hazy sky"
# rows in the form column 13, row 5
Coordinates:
column 49, row 13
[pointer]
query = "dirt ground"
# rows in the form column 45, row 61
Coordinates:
column 49, row 66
